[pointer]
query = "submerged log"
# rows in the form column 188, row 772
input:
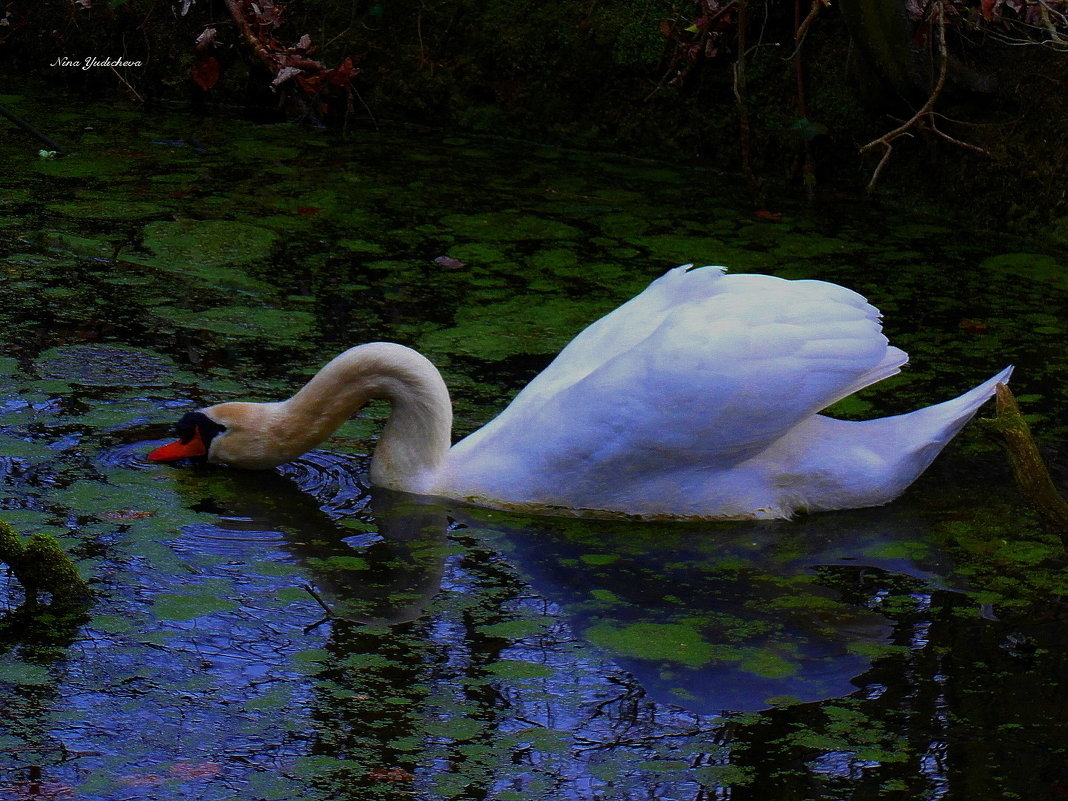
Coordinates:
column 1028, row 467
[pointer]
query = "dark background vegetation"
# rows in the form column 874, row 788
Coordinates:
column 644, row 77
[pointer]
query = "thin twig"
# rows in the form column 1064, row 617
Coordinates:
column 318, row 600
column 128, row 86
column 926, row 110
column 21, row 123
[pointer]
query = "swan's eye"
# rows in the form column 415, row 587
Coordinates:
column 191, row 422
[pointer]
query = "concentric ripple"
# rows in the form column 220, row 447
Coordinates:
column 333, row 479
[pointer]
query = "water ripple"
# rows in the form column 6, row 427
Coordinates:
column 335, row 480
column 131, row 455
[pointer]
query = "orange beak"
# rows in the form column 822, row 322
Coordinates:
column 180, row 450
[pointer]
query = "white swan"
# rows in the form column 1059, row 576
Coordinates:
column 696, row 399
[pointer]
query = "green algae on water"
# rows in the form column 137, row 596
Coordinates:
column 658, row 642
column 507, row 226
column 208, row 251
column 275, row 325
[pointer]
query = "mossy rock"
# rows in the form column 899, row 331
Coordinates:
column 41, row 565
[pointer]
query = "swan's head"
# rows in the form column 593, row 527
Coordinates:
column 242, row 435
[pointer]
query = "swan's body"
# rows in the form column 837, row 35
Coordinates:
column 696, row 399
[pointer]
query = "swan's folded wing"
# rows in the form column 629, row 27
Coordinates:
column 621, row 330
column 713, row 379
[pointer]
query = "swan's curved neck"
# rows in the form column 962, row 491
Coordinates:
column 411, row 449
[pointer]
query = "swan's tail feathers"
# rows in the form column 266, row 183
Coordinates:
column 891, row 364
column 934, row 426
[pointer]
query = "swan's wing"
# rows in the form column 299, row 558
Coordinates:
column 701, row 368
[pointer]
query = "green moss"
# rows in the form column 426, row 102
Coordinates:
column 41, row 565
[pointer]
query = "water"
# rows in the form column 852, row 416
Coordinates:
column 294, row 635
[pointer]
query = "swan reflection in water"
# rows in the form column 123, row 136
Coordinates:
column 711, row 618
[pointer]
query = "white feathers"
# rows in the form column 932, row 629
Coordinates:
column 699, row 398
column 680, row 403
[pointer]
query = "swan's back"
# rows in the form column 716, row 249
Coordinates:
column 693, row 377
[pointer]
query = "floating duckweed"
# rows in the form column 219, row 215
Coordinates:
column 623, row 226
column 519, row 669
column 103, row 209
column 479, row 254
column 20, row 673
column 361, row 246
column 85, row 166
column 519, row 325
column 850, row 407
column 207, row 250
column 507, row 226
column 276, row 325
column 554, row 259
column 255, row 149
column 514, row 629
column 768, row 664
column 175, row 606
column 605, row 596
column 78, row 245
column 1033, row 266
column 14, row 447
column 659, row 642
column 808, row 245
column 599, row 558
column 678, row 249
column 663, row 765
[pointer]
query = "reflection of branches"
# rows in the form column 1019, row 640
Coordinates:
column 925, row 117
column 644, row 740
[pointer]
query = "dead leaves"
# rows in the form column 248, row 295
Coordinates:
column 293, row 70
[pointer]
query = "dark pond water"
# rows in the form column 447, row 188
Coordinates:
column 293, row 635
